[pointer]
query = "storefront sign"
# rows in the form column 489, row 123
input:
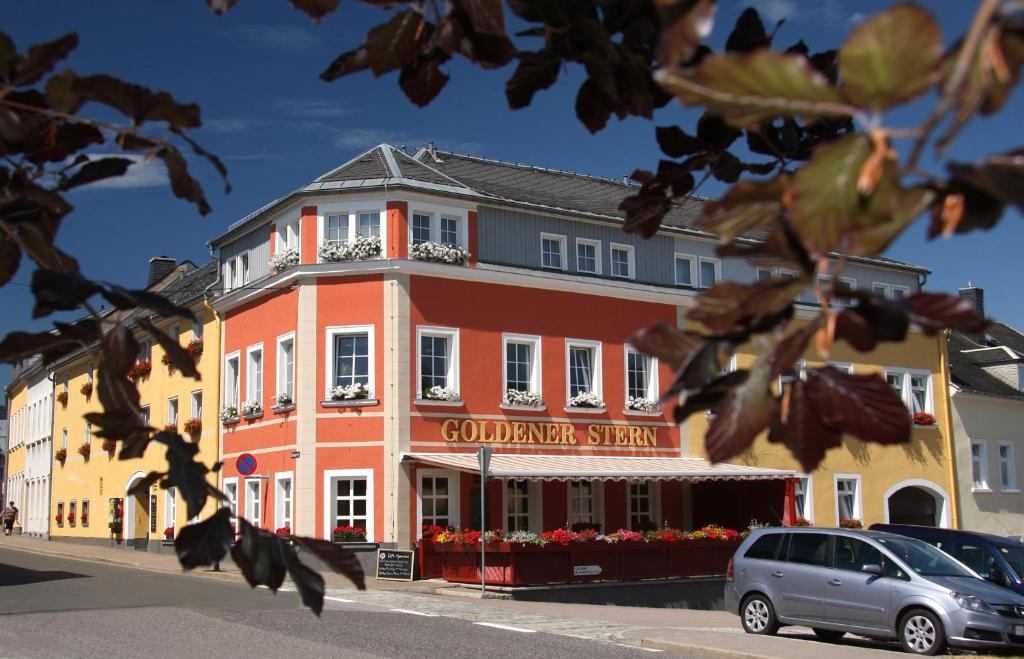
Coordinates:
column 394, row 564
column 517, row 432
column 586, row 570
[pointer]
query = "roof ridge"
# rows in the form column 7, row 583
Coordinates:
column 538, row 168
column 434, row 170
column 349, row 162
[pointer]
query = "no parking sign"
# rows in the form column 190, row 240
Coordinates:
column 246, row 464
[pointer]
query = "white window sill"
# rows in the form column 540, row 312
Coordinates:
column 931, row 426
column 1010, row 490
column 981, row 490
column 440, row 403
column 283, row 409
column 586, row 410
column 640, row 413
column 528, row 408
column 232, row 421
column 355, row 402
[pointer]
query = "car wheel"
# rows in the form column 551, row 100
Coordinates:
column 829, row 635
column 921, row 633
column 758, row 616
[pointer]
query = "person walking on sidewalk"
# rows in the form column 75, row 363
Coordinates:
column 9, row 516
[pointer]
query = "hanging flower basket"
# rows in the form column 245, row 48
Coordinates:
column 62, row 398
column 193, row 426
column 86, row 389
column 60, row 455
column 109, row 445
column 195, row 348
column 169, row 363
column 84, row 450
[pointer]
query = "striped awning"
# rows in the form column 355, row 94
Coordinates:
column 573, row 467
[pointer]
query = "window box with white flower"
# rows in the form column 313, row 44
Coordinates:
column 586, row 400
column 514, row 398
column 439, row 253
column 521, row 370
column 282, row 403
column 361, row 249
column 229, row 415
column 284, row 259
column 641, row 383
column 443, row 394
column 437, row 363
column 350, row 372
column 252, row 409
column 583, row 381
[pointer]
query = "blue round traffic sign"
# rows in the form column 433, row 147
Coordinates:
column 246, row 464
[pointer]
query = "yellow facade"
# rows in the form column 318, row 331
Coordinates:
column 17, row 400
column 101, row 479
column 878, row 471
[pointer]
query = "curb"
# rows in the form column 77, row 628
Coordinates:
column 699, row 650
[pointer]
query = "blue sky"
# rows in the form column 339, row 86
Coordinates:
column 254, row 72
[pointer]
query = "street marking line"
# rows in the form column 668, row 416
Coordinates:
column 414, row 613
column 338, row 599
column 506, row 627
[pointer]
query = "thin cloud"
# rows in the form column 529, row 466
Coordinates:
column 827, row 13
column 313, row 109
column 142, row 173
column 284, row 38
column 233, row 125
column 773, row 11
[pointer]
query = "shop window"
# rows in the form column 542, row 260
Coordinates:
column 351, row 349
column 641, row 376
column 85, row 512
column 420, row 228
column 254, row 374
column 588, row 256
column 286, row 365
column 979, row 465
column 552, row 251
column 254, row 501
column 351, row 502
column 583, row 364
column 435, row 500
column 684, row 270
column 283, row 500
column 171, row 509
column 641, row 505
column 621, row 261
column 522, row 363
column 72, row 512
column 848, row 497
column 583, row 502
column 438, row 359
column 517, row 505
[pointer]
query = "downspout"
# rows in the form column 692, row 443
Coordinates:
column 52, row 377
column 954, row 494
column 220, row 338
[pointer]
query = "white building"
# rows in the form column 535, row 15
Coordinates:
column 30, row 450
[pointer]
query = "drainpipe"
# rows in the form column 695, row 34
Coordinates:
column 206, row 305
column 954, row 494
column 52, row 377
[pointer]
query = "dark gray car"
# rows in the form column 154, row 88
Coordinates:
column 873, row 584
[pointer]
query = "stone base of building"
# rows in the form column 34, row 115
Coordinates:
column 151, row 544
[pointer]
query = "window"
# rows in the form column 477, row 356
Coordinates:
column 763, row 274
column 64, row 438
column 641, row 376
column 288, row 235
column 72, row 510
column 684, row 270
column 845, row 284
column 85, row 512
column 175, row 334
column 231, row 279
column 420, row 228
column 231, row 387
column 172, row 411
column 919, row 393
column 254, row 374
column 583, row 497
column 808, row 549
column 197, row 327
column 351, row 352
column 710, row 272
column 435, row 500
column 60, row 513
column 583, row 365
column 522, row 362
column 244, row 268
column 882, row 290
column 900, row 292
column 253, row 501
column 170, row 508
column 336, row 229
column 552, row 251
column 283, row 500
column 622, row 261
column 286, row 365
column 765, row 547
column 1007, row 467
column 517, row 505
column 145, row 351
column 369, row 225
column 641, row 505
column 88, row 433
column 804, row 497
column 914, row 387
column 438, row 359
column 588, row 256
column 196, row 407
column 848, row 497
column 449, row 230
column 231, row 491
column 89, row 370
column 145, row 414
column 350, row 502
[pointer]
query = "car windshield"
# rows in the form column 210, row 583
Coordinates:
column 1014, row 555
column 924, row 559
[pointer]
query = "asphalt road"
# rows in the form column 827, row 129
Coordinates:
column 57, row 607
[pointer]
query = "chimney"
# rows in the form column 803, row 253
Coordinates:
column 160, row 267
column 975, row 296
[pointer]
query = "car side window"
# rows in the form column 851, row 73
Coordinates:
column 808, row 549
column 764, row 547
column 853, row 554
column 977, row 558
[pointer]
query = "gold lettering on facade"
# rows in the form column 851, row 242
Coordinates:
column 536, row 432
column 468, row 430
column 568, row 434
column 448, row 431
column 650, row 436
column 502, row 432
column 593, row 435
column 516, row 432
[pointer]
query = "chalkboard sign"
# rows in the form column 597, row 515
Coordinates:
column 394, row 564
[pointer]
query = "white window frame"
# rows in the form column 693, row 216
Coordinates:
column 289, row 234
column 534, row 504
column 885, row 290
column 858, row 495
column 454, row 495
column 349, row 228
column 984, row 486
column 231, row 275
column 258, row 521
column 596, row 244
column 772, row 273
column 597, row 379
column 89, row 370
column 689, row 258
column 905, row 289
column 700, row 271
column 230, row 387
column 845, row 367
column 197, row 327
column 430, row 226
column 655, row 488
column 88, row 433
column 280, row 518
column 630, row 260
column 172, row 411
column 330, row 362
column 329, row 516
column 251, row 382
column 906, row 389
column 452, row 334
column 64, row 438
column 535, row 364
column 563, row 260
column 195, row 410
column 458, row 228
column 243, row 269
column 232, row 504
column 807, row 480
column 280, row 375
column 171, row 508
column 653, row 390
column 597, row 502
column 1011, row 463
column 435, row 213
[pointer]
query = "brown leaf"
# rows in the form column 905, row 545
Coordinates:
column 96, row 170
column 137, row 102
column 710, row 396
column 684, row 24
column 10, row 258
column 20, row 345
column 394, row 44
column 341, row 560
column 731, row 307
column 316, row 9
column 180, row 358
column 486, row 16
column 864, row 406
column 747, row 206
column 937, row 311
column 667, row 344
column 182, row 184
column 801, row 430
column 534, row 72
column 423, row 80
column 146, row 482
column 221, row 6
column 1000, row 175
column 789, row 350
column 346, row 63
column 39, row 60
column 746, row 411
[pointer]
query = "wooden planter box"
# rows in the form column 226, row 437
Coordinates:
column 523, row 565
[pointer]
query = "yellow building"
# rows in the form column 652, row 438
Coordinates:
column 912, row 483
column 30, row 402
column 90, row 500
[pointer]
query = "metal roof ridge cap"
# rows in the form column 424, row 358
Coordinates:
column 347, row 162
column 389, row 160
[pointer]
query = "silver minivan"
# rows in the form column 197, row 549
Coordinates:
column 869, row 583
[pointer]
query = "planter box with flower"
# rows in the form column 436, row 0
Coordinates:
column 195, row 348
column 439, row 253
column 229, row 415
column 284, row 259
column 169, row 363
column 109, row 445
column 86, row 389
column 350, row 395
column 360, row 249
column 644, row 405
column 141, row 369
column 284, row 532
column 802, row 521
column 60, row 455
column 62, row 397
column 442, row 395
column 84, row 450
column 348, row 534
column 59, row 519
column 169, row 533
column 71, row 519
column 850, row 524
column 283, row 402
column 525, row 399
column 193, row 426
column 924, row 419
column 585, row 401
column 252, row 409
column 354, row 539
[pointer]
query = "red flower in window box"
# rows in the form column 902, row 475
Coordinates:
column 284, row 531
column 86, row 389
column 924, row 419
column 171, row 427
column 349, row 534
column 169, row 533
column 802, row 521
column 62, row 398
column 851, row 524
column 168, row 362
column 109, row 445
column 193, row 426
column 84, row 450
column 140, row 369
column 85, row 518
column 59, row 519
column 71, row 518
column 61, row 455
column 195, row 348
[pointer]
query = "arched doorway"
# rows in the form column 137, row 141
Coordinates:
column 136, row 515
column 913, row 505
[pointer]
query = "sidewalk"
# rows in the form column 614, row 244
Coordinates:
column 683, row 631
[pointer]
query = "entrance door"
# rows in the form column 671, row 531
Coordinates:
column 141, row 535
column 913, row 505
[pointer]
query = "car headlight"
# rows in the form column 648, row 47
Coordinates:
column 972, row 603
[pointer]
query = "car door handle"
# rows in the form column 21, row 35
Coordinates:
column 835, row 582
column 777, row 574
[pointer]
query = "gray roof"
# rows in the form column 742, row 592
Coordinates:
column 967, row 371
